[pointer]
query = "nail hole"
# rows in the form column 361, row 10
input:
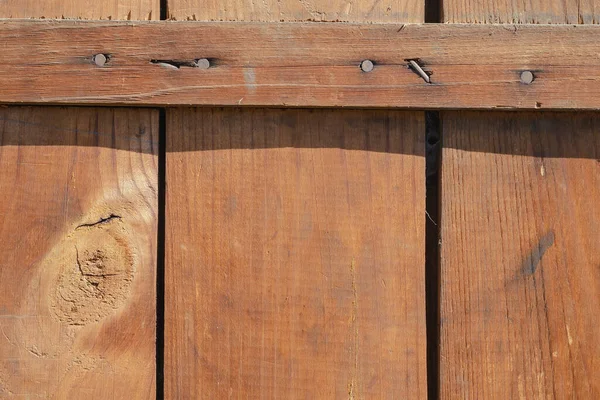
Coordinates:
column 527, row 77
column 367, row 66
column 100, row 59
column 538, row 104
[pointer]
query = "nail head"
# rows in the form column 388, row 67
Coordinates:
column 100, row 60
column 203, row 63
column 367, row 66
column 527, row 77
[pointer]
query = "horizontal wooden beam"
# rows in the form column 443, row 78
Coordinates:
column 428, row 66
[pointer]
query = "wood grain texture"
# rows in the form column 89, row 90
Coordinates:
column 522, row 12
column 81, row 9
column 297, row 283
column 78, row 232
column 295, row 253
column 297, row 10
column 520, row 259
column 520, row 265
column 77, row 297
column 301, row 64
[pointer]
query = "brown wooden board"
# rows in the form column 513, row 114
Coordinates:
column 519, row 234
column 81, row 9
column 520, row 257
column 301, row 64
column 295, row 254
column 522, row 12
column 78, row 212
column 297, row 10
column 297, row 276
column 78, row 230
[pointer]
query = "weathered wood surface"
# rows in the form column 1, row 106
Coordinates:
column 301, row 64
column 295, row 253
column 78, row 232
column 77, row 302
column 295, row 10
column 292, row 303
column 81, row 9
column 520, row 256
column 520, row 227
column 522, row 12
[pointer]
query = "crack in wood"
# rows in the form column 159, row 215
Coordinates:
column 108, row 219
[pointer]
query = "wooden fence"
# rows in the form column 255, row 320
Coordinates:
column 289, row 199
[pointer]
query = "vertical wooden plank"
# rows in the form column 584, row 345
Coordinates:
column 520, row 221
column 522, row 12
column 295, row 254
column 78, row 228
column 520, row 258
column 78, row 243
column 295, row 238
column 81, row 9
column 298, row 10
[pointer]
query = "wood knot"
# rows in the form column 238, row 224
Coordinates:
column 95, row 273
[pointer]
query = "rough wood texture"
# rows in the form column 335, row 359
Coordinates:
column 81, row 9
column 77, row 302
column 520, row 217
column 297, row 10
column 78, row 244
column 301, row 64
column 520, row 257
column 294, row 274
column 522, row 12
column 295, row 254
